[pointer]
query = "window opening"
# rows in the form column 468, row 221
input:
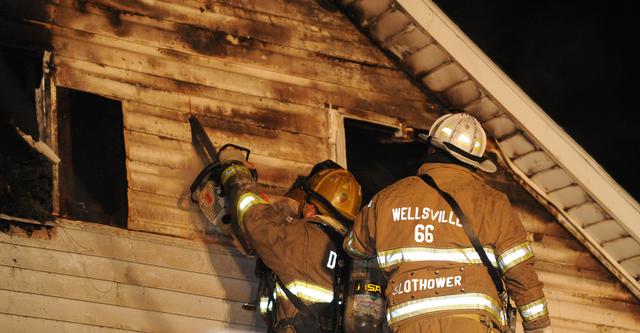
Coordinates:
column 20, row 75
column 377, row 158
column 25, row 175
column 93, row 181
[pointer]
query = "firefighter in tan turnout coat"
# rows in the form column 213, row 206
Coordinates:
column 294, row 246
column 436, row 281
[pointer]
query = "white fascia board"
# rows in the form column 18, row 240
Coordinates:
column 531, row 118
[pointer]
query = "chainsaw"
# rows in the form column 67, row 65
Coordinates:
column 206, row 189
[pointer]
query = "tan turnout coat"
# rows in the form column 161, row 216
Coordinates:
column 295, row 249
column 432, row 270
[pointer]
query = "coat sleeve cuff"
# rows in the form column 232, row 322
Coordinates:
column 535, row 315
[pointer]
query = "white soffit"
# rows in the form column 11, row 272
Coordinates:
column 431, row 48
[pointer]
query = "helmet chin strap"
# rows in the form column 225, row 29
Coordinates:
column 475, row 158
column 441, row 155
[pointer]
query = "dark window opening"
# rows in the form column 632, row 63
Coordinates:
column 376, row 158
column 20, row 74
column 25, row 175
column 93, row 180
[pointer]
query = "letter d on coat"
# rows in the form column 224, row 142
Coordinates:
column 331, row 262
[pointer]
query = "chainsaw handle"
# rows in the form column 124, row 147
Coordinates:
column 254, row 172
column 211, row 167
column 244, row 149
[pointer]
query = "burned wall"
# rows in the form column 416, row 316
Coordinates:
column 25, row 175
column 263, row 75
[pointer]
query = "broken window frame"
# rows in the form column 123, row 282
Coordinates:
column 30, row 184
column 375, row 127
column 337, row 134
column 47, row 114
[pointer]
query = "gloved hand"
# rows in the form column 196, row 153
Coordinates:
column 540, row 330
column 231, row 154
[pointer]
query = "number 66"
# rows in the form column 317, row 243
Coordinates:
column 423, row 233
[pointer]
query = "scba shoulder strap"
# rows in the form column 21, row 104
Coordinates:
column 496, row 277
column 338, row 271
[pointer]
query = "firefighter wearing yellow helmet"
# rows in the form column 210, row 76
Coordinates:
column 301, row 249
column 422, row 228
column 337, row 189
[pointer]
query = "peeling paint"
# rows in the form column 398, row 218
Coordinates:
column 28, row 230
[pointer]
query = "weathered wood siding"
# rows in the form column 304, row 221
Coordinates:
column 258, row 73
column 85, row 277
column 263, row 74
column 583, row 296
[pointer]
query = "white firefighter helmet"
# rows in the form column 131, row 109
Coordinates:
column 462, row 136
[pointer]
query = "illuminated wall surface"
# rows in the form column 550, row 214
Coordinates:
column 279, row 77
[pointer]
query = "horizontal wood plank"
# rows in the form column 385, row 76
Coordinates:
column 126, row 295
column 28, row 324
column 591, row 314
column 205, row 82
column 238, row 289
column 138, row 247
column 312, row 12
column 564, row 256
column 110, row 316
column 234, row 53
column 181, row 158
column 562, row 325
column 186, row 19
column 144, row 129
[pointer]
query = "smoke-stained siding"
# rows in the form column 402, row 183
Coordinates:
column 258, row 75
column 261, row 74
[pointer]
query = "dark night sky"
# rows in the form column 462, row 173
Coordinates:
column 574, row 59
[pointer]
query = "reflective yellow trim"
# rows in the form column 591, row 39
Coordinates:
column 307, row 291
column 246, row 201
column 232, row 171
column 534, row 310
column 514, row 256
column 351, row 248
column 471, row 301
column 265, row 305
column 414, row 254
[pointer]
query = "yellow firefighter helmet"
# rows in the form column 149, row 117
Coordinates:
column 339, row 188
column 296, row 192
